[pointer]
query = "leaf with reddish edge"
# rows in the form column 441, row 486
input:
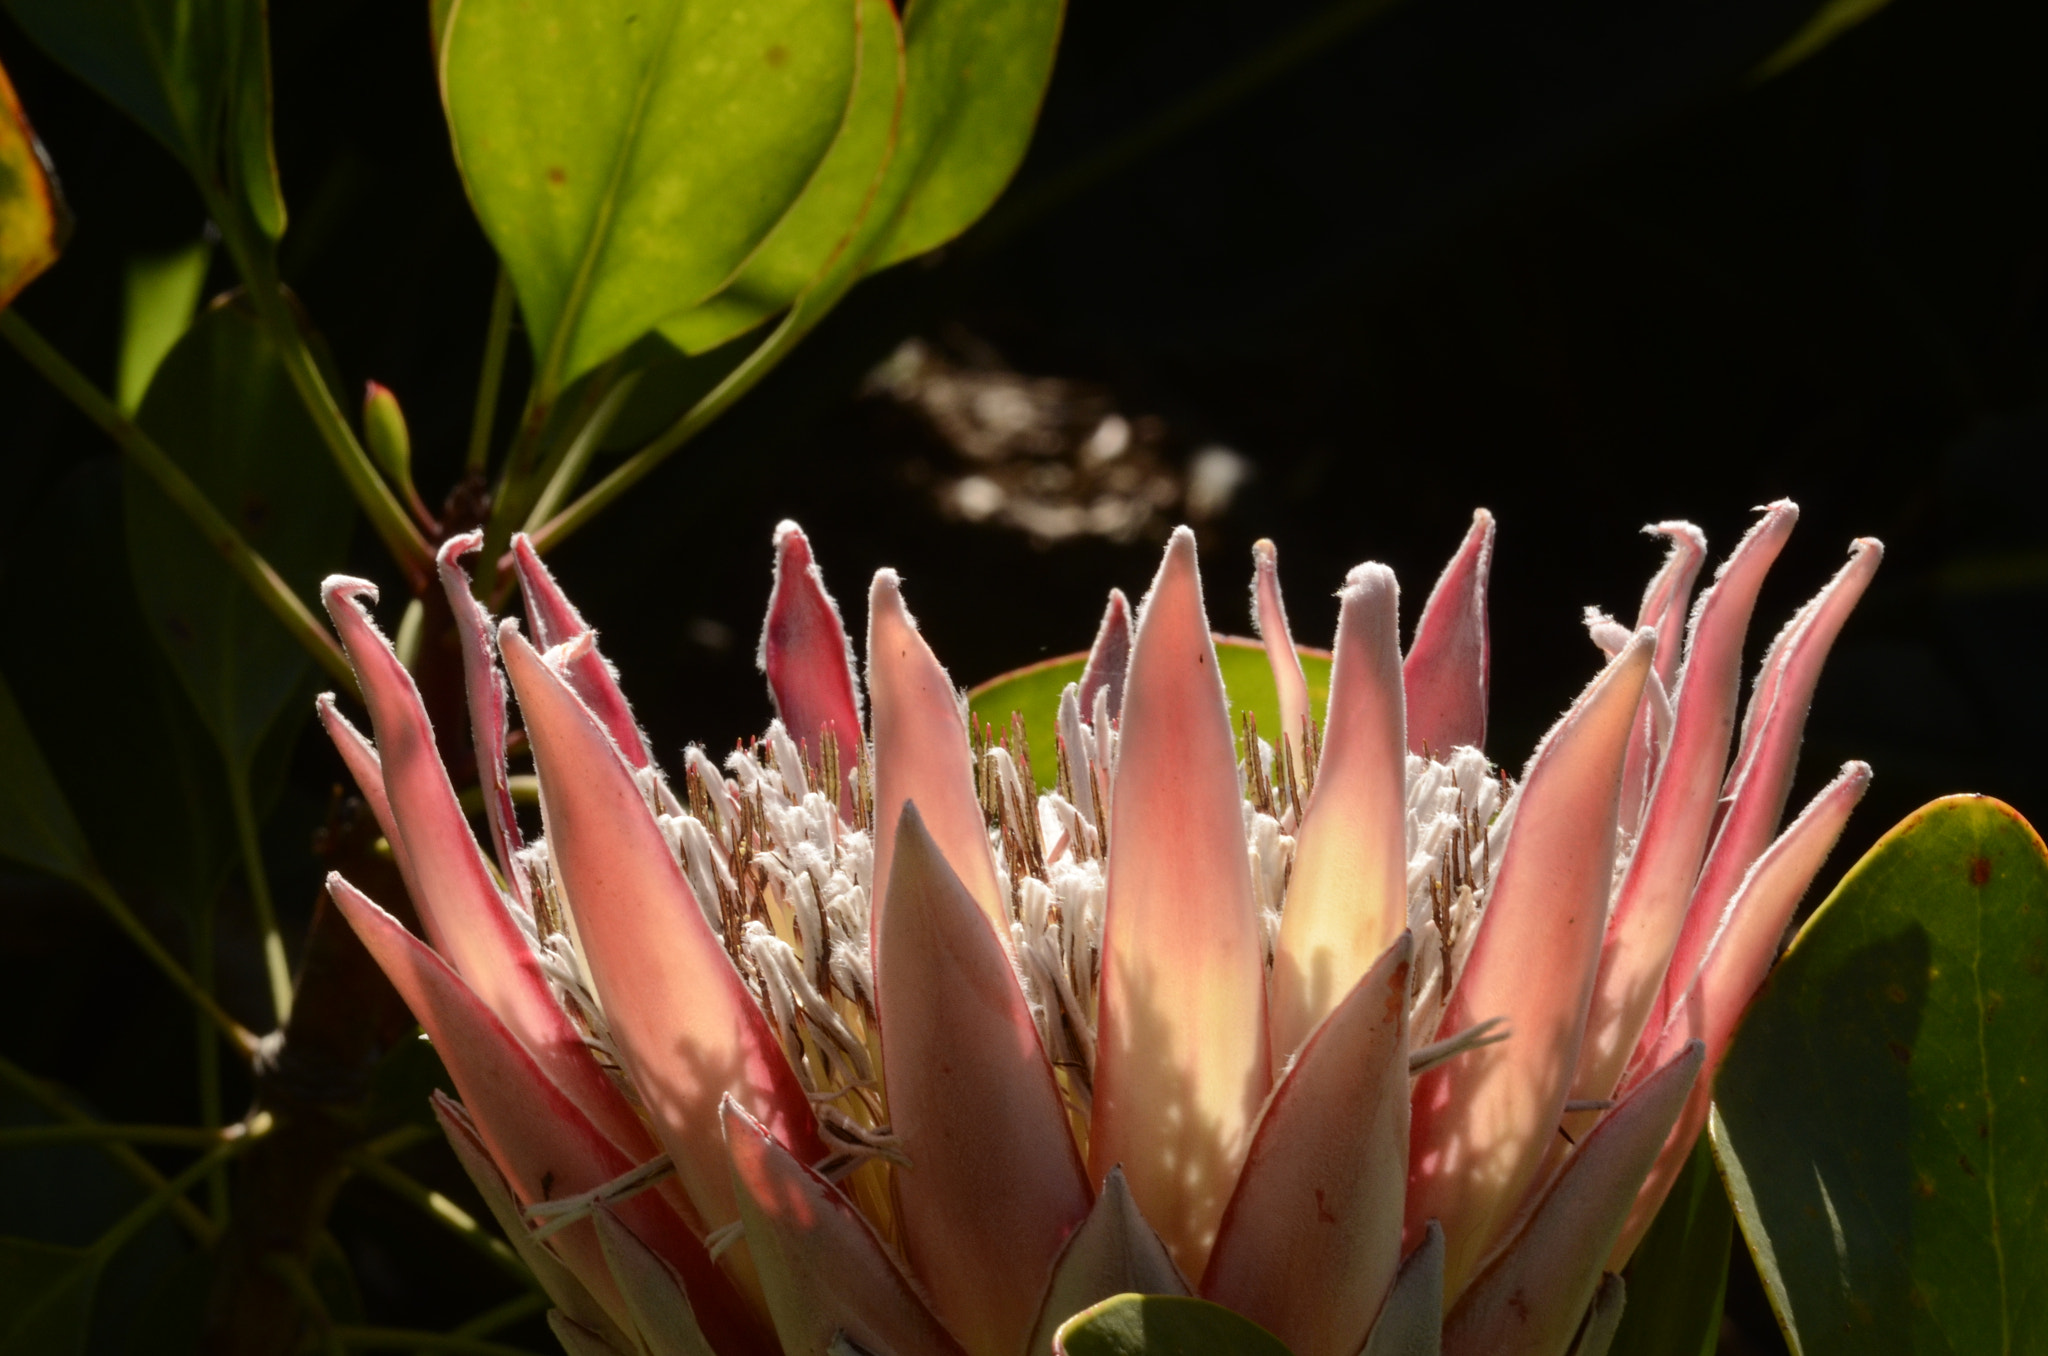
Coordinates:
column 973, row 1102
column 556, row 623
column 1114, row 1252
column 1663, row 610
column 1347, row 895
column 1109, row 658
column 1532, row 1298
column 1754, row 800
column 685, row 1025
column 1670, row 591
column 653, row 1292
column 922, row 754
column 822, row 1268
column 1446, row 671
column 804, row 652
column 1269, row 620
column 1182, row 1064
column 1411, row 1322
column 486, row 689
column 465, row 916
column 1744, row 944
column 540, row 1141
column 1649, row 909
column 1484, row 1121
column 1312, row 1237
column 359, row 756
column 562, row 1285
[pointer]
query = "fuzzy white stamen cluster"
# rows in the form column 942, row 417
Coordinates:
column 785, row 881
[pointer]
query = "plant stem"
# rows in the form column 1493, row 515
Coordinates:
column 575, row 459
column 396, row 1141
column 274, row 961
column 258, row 267
column 404, row 1339
column 96, row 1132
column 220, row 534
column 802, row 318
column 504, row 1315
column 443, row 1211
column 137, row 1219
column 497, row 339
column 207, row 1054
column 238, row 1035
column 134, row 1164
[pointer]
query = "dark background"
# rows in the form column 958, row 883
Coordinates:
column 1566, row 260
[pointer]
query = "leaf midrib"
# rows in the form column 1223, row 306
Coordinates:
column 599, row 237
column 1990, row 1178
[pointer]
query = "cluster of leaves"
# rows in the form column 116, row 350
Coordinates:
column 688, row 209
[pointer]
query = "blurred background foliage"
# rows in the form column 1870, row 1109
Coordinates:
column 1333, row 274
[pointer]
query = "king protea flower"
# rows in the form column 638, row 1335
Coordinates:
column 860, row 1043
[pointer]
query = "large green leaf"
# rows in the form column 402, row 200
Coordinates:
column 31, row 213
column 223, row 407
column 978, row 71
column 1882, row 1117
column 1679, row 1274
column 45, row 1297
column 1034, row 693
column 821, row 224
column 194, row 73
column 626, row 157
column 1163, row 1325
column 37, row 827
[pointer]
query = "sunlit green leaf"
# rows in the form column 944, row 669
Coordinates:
column 1882, row 1118
column 626, row 157
column 31, row 213
column 833, row 204
column 36, row 825
column 1035, row 693
column 45, row 1298
column 159, row 295
column 1679, row 1274
column 223, row 407
column 1162, row 1325
column 978, row 71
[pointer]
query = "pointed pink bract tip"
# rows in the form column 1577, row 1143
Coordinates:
column 345, row 590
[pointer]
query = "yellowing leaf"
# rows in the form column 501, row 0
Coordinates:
column 32, row 215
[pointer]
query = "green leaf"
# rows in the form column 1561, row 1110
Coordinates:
column 194, row 73
column 1679, row 1274
column 36, row 824
column 223, row 407
column 833, row 204
column 978, row 71
column 159, row 295
column 626, row 157
column 1882, row 1117
column 1162, row 1325
column 45, row 1297
column 1034, row 692
column 251, row 158
column 32, row 216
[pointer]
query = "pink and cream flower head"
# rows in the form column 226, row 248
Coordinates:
column 863, row 1042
